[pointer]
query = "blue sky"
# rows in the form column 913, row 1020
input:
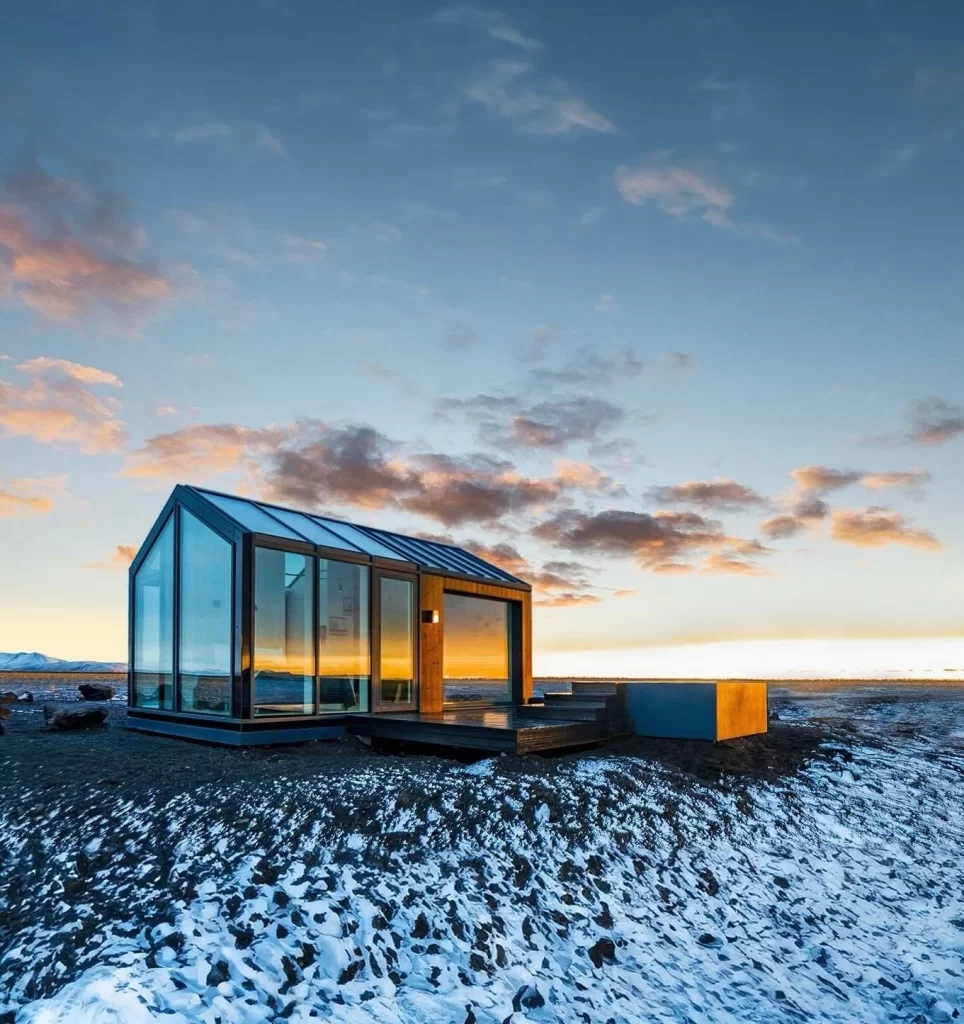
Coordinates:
column 506, row 275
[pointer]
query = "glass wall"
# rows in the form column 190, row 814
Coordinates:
column 284, row 618
column 397, row 661
column 204, row 650
column 344, row 635
column 476, row 649
column 154, row 625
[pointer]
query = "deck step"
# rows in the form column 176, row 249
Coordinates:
column 586, row 689
column 558, row 700
column 570, row 713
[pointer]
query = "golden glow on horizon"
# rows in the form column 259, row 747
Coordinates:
column 937, row 658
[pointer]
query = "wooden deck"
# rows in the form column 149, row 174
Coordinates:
column 514, row 730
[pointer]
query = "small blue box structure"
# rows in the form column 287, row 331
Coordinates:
column 696, row 709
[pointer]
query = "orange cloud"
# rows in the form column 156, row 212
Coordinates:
column 64, row 279
column 29, row 496
column 820, row 479
column 625, row 593
column 896, row 478
column 875, row 527
column 583, row 476
column 729, row 564
column 122, row 557
column 58, row 406
column 200, row 451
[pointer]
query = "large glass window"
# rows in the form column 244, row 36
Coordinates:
column 476, row 650
column 344, row 636
column 154, row 625
column 397, row 660
column 284, row 620
column 204, row 650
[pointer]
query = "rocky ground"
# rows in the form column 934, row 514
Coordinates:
column 814, row 873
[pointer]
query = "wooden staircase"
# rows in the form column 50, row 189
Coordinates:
column 602, row 704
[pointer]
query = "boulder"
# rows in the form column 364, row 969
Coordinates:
column 8, row 695
column 25, row 698
column 96, row 691
column 73, row 716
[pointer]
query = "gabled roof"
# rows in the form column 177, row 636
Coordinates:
column 252, row 516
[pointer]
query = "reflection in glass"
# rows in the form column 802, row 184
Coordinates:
column 154, row 625
column 397, row 661
column 344, row 637
column 284, row 619
column 475, row 649
column 204, row 650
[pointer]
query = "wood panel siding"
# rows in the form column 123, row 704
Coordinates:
column 741, row 709
column 431, row 691
column 431, row 634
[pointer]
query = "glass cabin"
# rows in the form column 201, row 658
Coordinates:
column 253, row 623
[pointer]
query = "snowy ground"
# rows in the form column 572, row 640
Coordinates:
column 625, row 885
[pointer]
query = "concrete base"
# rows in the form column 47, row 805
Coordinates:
column 696, row 709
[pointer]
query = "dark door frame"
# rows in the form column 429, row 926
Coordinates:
column 378, row 574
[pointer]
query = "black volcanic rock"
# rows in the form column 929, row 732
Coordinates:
column 96, row 691
column 60, row 717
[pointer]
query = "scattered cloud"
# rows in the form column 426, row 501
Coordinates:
column 876, row 527
column 654, row 540
column 46, row 365
column 805, row 512
column 68, row 248
column 936, row 422
column 720, row 493
column 256, row 135
column 64, row 279
column 822, row 480
column 234, row 239
column 511, row 88
column 202, row 131
column 909, row 479
column 724, row 563
column 165, row 410
column 584, row 477
column 588, row 367
column 675, row 190
column 199, row 451
column 507, row 421
column 26, row 497
column 57, row 405
column 626, row 592
column 604, row 304
column 311, row 464
column 488, row 22
column 121, row 558
column 558, row 584
column 681, row 191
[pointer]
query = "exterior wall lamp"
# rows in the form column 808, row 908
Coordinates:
column 430, row 615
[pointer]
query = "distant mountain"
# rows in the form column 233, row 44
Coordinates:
column 33, row 661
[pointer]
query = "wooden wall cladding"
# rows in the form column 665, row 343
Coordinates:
column 431, row 687
column 432, row 692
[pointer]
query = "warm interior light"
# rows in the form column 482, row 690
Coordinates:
column 430, row 615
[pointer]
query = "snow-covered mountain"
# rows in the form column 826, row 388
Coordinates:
column 34, row 661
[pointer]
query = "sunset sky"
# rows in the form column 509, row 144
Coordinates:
column 660, row 305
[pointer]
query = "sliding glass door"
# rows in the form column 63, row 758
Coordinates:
column 397, row 687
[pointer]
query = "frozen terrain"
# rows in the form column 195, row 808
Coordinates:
column 812, row 875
